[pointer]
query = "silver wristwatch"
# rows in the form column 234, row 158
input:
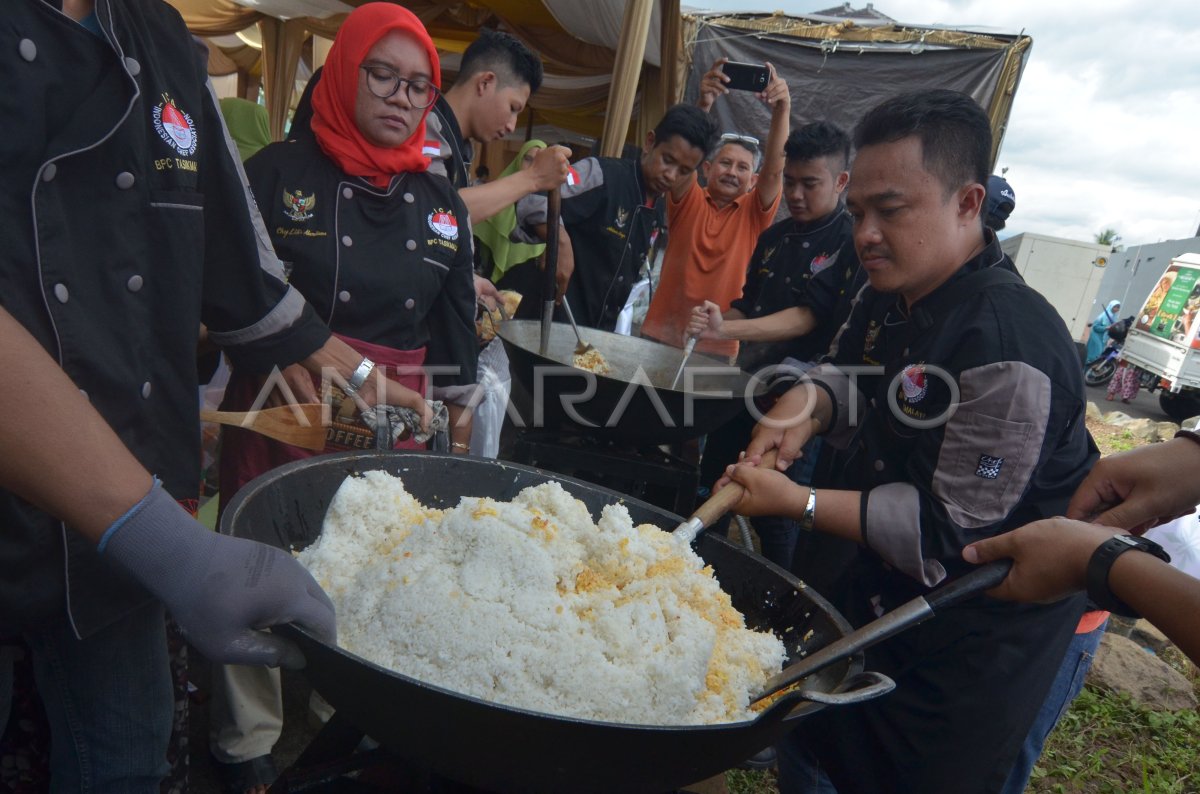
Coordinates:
column 359, row 376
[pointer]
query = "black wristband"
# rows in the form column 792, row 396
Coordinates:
column 1101, row 563
column 1190, row 435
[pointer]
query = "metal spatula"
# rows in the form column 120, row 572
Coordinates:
column 687, row 353
column 581, row 346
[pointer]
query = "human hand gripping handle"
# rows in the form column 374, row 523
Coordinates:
column 222, row 591
column 550, row 168
column 795, row 418
column 1050, row 558
column 704, row 322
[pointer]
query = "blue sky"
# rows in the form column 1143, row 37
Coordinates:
column 1105, row 129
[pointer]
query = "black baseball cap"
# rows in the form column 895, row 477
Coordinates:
column 1000, row 202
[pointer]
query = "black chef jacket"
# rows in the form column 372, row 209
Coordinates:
column 786, row 259
column 612, row 230
column 387, row 266
column 126, row 225
column 970, row 680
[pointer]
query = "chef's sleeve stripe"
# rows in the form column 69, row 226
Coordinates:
column 267, row 260
column 848, row 403
column 992, row 443
column 892, row 529
column 280, row 318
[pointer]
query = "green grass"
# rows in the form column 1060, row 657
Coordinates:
column 742, row 781
column 1124, row 442
column 1107, row 744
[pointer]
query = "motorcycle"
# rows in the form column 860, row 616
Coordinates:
column 1100, row 370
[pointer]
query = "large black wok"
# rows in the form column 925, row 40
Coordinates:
column 507, row 749
column 635, row 402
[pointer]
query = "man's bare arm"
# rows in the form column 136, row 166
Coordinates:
column 56, row 451
column 770, row 176
column 548, row 171
column 707, row 322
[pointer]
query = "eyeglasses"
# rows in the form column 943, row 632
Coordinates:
column 384, row 83
column 733, row 137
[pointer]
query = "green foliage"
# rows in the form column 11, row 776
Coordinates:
column 1108, row 236
column 1124, row 442
column 1107, row 744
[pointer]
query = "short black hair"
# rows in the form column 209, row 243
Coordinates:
column 818, row 139
column 955, row 134
column 690, row 123
column 497, row 51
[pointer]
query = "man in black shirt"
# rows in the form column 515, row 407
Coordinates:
column 612, row 209
column 955, row 392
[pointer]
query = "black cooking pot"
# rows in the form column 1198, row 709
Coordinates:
column 635, row 401
column 501, row 748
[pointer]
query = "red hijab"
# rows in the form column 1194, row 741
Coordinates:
column 335, row 95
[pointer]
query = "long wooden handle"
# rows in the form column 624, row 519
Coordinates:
column 550, row 268
column 723, row 500
column 280, row 423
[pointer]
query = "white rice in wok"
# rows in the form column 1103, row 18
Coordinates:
column 530, row 604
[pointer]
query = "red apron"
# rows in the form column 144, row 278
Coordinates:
column 246, row 454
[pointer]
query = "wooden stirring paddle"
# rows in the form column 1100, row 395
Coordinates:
column 298, row 425
column 718, row 505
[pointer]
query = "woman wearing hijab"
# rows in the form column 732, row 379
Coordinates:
column 1099, row 337
column 248, row 125
column 380, row 249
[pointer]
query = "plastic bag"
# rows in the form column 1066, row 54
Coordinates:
column 495, row 384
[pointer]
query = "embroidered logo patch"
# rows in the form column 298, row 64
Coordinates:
column 768, row 254
column 174, row 126
column 572, row 176
column 431, row 149
column 819, row 263
column 989, row 467
column 871, row 336
column 622, row 217
column 444, row 224
column 298, row 206
column 913, row 385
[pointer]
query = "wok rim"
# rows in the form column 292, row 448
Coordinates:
column 695, row 359
column 790, row 700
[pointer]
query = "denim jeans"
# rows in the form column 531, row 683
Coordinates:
column 108, row 701
column 778, row 534
column 1068, row 682
column 799, row 770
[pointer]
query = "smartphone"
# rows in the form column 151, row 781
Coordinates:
column 746, row 76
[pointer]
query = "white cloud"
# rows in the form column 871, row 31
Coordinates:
column 1104, row 126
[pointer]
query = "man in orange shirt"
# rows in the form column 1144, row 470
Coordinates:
column 713, row 229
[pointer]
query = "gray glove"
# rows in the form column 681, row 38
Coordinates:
column 219, row 589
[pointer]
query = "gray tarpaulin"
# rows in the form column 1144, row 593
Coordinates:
column 838, row 86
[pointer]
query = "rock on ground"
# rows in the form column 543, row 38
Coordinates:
column 1122, row 665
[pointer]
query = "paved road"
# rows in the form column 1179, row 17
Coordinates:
column 1144, row 406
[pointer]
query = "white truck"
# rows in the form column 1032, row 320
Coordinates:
column 1163, row 342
